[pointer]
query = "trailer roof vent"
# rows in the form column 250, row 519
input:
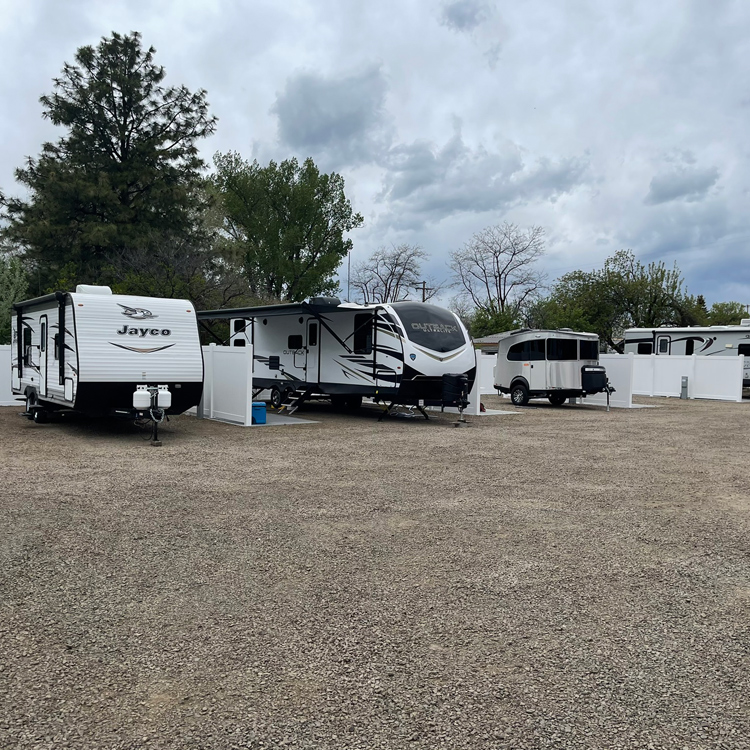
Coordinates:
column 745, row 322
column 91, row 289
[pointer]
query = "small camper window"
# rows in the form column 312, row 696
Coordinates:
column 535, row 350
column 312, row 335
column 743, row 349
column 689, row 347
column 562, row 349
column 589, row 349
column 27, row 346
column 362, row 334
column 239, row 326
column 294, row 342
column 663, row 345
column 43, row 338
column 515, row 353
column 644, row 348
column 527, row 351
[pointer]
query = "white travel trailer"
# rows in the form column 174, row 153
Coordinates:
column 705, row 341
column 556, row 365
column 397, row 352
column 89, row 351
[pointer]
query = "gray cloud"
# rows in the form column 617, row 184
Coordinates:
column 426, row 183
column 690, row 184
column 464, row 15
column 339, row 117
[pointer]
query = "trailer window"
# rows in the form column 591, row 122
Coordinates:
column 589, row 349
column 743, row 349
column 515, row 353
column 562, row 349
column 43, row 338
column 689, row 346
column 27, row 346
column 644, row 348
column 240, row 326
column 527, row 351
column 312, row 335
column 362, row 343
column 430, row 326
column 294, row 342
column 663, row 346
column 56, row 339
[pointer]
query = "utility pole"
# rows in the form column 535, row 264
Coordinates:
column 424, row 289
column 349, row 276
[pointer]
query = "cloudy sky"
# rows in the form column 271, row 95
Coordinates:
column 620, row 124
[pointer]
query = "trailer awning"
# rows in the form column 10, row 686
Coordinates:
column 315, row 306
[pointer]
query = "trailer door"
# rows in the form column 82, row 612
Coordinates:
column 313, row 351
column 663, row 345
column 43, row 355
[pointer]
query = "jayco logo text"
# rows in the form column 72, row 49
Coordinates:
column 143, row 332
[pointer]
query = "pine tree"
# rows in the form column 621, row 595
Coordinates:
column 125, row 173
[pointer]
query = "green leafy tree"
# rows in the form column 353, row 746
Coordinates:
column 726, row 313
column 13, row 288
column 624, row 294
column 286, row 222
column 125, row 172
column 483, row 323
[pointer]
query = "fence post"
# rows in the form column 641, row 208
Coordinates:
column 248, row 364
column 211, row 350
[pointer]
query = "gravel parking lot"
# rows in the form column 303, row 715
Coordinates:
column 558, row 578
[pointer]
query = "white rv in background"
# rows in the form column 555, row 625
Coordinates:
column 704, row 341
column 397, row 352
column 556, row 365
column 89, row 350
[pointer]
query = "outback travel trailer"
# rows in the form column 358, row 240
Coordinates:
column 556, row 365
column 704, row 341
column 406, row 353
column 101, row 353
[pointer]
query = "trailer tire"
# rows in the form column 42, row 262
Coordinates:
column 40, row 416
column 557, row 399
column 519, row 394
column 338, row 402
column 353, row 402
column 277, row 397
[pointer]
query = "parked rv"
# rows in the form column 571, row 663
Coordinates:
column 397, row 352
column 556, row 365
column 704, row 341
column 91, row 351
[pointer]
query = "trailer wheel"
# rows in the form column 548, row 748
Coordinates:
column 557, row 399
column 353, row 402
column 40, row 416
column 519, row 394
column 277, row 397
column 338, row 402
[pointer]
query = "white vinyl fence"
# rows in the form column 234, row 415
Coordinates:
column 619, row 369
column 228, row 384
column 708, row 377
column 6, row 396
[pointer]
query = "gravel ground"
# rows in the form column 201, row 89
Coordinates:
column 560, row 578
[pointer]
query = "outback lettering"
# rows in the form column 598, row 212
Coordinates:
column 434, row 327
column 143, row 332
